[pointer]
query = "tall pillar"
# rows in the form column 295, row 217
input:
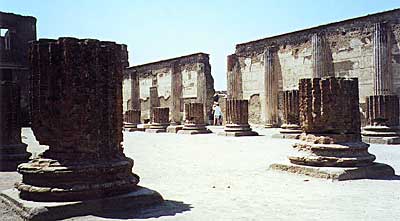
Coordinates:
column 234, row 77
column 291, row 123
column 176, row 94
column 271, row 89
column 131, row 120
column 194, row 120
column 154, row 101
column 160, row 120
column 237, row 115
column 330, row 121
column 12, row 150
column 383, row 105
column 135, row 92
column 320, row 56
column 77, row 112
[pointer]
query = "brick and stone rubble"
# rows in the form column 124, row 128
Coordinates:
column 12, row 150
column 237, row 115
column 194, row 120
column 77, row 112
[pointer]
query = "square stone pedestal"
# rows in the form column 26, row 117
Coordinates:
column 194, row 132
column 30, row 210
column 380, row 140
column 158, row 130
column 238, row 133
column 373, row 171
column 174, row 128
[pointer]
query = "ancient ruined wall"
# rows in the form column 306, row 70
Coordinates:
column 14, row 47
column 345, row 49
column 177, row 81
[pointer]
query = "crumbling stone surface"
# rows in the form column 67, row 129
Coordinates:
column 12, row 150
column 291, row 107
column 132, row 116
column 329, row 105
column 383, row 110
column 77, row 111
column 194, row 119
column 237, row 115
column 329, row 117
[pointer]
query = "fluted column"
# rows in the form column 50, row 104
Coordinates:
column 77, row 112
column 160, row 120
column 194, row 119
column 291, row 123
column 237, row 115
column 12, row 150
column 131, row 119
column 383, row 106
column 271, row 89
column 330, row 121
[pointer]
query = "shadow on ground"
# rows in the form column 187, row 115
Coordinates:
column 167, row 208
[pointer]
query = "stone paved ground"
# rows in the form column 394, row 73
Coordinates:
column 207, row 177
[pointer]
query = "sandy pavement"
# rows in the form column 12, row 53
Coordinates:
column 209, row 177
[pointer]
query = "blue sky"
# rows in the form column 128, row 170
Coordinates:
column 155, row 30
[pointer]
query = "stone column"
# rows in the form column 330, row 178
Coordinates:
column 12, row 150
column 194, row 119
column 160, row 120
column 271, row 89
column 383, row 105
column 132, row 119
column 237, row 115
column 319, row 55
column 77, row 112
column 330, row 121
column 291, row 124
column 234, row 78
column 176, row 94
column 154, row 101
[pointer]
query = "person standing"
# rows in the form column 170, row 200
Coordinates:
column 217, row 115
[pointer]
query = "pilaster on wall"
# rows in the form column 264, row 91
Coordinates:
column 382, row 60
column 176, row 93
column 271, row 87
column 135, row 94
column 154, row 101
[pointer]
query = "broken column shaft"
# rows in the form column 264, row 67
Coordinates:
column 12, row 150
column 77, row 112
column 237, row 115
column 194, row 119
column 160, row 120
column 132, row 119
column 330, row 121
column 291, row 122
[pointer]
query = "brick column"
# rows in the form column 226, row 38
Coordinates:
column 12, row 150
column 330, row 120
column 131, row 120
column 237, row 115
column 291, row 123
column 77, row 112
column 383, row 105
column 160, row 120
column 194, row 119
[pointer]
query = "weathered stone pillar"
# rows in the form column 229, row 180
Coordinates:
column 237, row 115
column 154, row 101
column 12, row 150
column 271, row 89
column 329, row 117
column 77, row 112
column 131, row 120
column 176, row 94
column 234, row 77
column 383, row 106
column 291, row 122
column 194, row 120
column 160, row 120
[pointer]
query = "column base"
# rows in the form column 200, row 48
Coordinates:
column 380, row 135
column 174, row 128
column 31, row 210
column 373, row 171
column 238, row 130
column 132, row 127
column 13, row 155
column 289, row 131
column 193, row 129
column 157, row 128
